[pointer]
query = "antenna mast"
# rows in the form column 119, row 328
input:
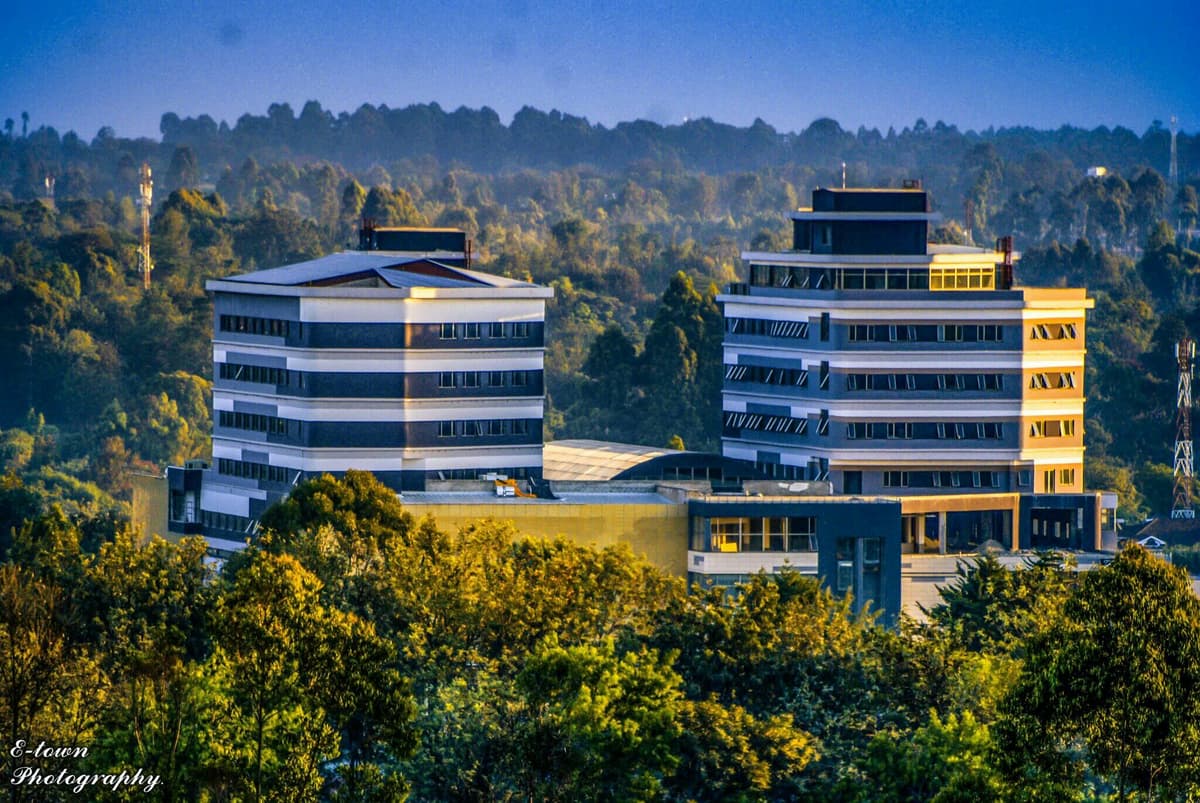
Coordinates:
column 146, row 186
column 1173, row 171
column 1181, row 504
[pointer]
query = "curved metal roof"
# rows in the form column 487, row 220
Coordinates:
column 594, row 460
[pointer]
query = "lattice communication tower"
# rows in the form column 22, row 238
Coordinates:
column 146, row 187
column 1181, row 504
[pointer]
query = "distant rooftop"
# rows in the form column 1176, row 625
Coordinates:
column 372, row 269
column 571, row 460
column 583, row 459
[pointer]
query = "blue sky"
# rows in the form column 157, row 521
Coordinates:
column 82, row 65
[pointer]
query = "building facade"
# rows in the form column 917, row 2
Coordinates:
column 888, row 365
column 404, row 363
column 870, row 358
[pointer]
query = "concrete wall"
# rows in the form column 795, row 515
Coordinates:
column 657, row 532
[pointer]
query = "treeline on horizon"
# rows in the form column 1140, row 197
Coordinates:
column 478, row 140
column 104, row 377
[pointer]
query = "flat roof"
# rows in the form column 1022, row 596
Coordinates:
column 482, row 497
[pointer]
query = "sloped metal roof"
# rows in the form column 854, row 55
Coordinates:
column 389, row 267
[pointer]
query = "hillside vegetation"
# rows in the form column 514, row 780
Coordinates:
column 636, row 227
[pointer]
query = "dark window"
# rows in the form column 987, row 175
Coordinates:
column 471, row 331
column 520, row 330
column 253, row 422
column 446, row 379
column 447, row 332
column 824, row 326
column 272, row 327
column 495, row 379
column 445, row 429
column 852, row 482
column 470, row 379
column 496, row 329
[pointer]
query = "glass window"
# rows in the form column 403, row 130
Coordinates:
column 471, row 331
column 446, row 379
column 752, row 538
column 802, row 534
column 495, row 329
column 776, row 534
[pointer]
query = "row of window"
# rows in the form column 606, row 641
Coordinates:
column 893, row 430
column 943, row 479
column 798, row 278
column 924, row 382
column 254, row 373
column 494, row 329
column 763, row 375
column 1052, row 428
column 786, row 425
column 254, row 471
column 797, row 330
column 487, row 379
column 973, row 277
column 1052, row 478
column 1053, row 331
column 253, row 422
column 1049, row 381
column 488, row 427
column 272, row 327
column 226, row 521
column 769, row 534
column 479, row 473
column 275, row 327
column 925, row 333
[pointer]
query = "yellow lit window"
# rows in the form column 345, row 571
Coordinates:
column 962, row 278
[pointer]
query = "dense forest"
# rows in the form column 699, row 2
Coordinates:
column 636, row 227
column 356, row 654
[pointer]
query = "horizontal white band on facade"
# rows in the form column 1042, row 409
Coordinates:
column 388, row 410
column 1071, row 454
column 234, row 502
column 840, row 311
column 381, row 361
column 750, row 562
column 370, row 459
column 417, row 310
column 944, row 360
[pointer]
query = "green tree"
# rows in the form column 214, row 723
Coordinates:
column 600, row 726
column 266, row 628
column 1119, row 676
column 942, row 762
column 726, row 754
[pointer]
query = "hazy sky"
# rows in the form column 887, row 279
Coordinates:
column 973, row 63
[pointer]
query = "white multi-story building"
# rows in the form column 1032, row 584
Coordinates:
column 402, row 362
column 887, row 365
